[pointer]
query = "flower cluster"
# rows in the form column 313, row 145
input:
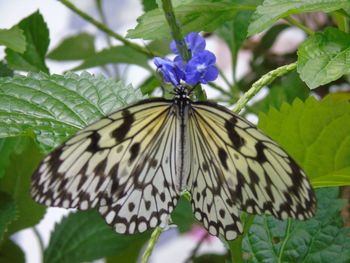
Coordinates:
column 199, row 69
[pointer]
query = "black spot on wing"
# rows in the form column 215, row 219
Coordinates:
column 93, row 146
column 134, row 151
column 120, row 133
column 236, row 139
column 223, row 158
column 260, row 147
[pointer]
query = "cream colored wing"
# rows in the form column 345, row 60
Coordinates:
column 237, row 167
column 124, row 164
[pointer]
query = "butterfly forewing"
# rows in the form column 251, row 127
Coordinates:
column 259, row 176
column 123, row 164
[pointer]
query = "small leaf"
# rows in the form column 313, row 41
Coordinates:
column 10, row 253
column 17, row 181
column 37, row 42
column 149, row 5
column 272, row 10
column 13, row 38
column 84, row 236
column 324, row 57
column 183, row 216
column 322, row 238
column 189, row 13
column 7, row 212
column 149, row 85
column 55, row 107
column 118, row 54
column 317, row 135
column 74, row 48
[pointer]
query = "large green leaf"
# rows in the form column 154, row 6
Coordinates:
column 118, row 54
column 11, row 253
column 193, row 15
column 55, row 107
column 74, row 48
column 272, row 10
column 37, row 42
column 322, row 238
column 324, row 57
column 317, row 135
column 84, row 236
column 17, row 181
column 7, row 212
column 13, row 38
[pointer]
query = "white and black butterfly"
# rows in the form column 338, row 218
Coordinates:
column 133, row 165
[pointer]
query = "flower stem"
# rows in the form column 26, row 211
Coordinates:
column 107, row 30
column 152, row 242
column 260, row 83
column 296, row 23
column 175, row 30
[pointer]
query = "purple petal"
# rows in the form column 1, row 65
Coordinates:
column 195, row 43
column 168, row 70
column 211, row 74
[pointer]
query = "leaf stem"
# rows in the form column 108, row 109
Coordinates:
column 289, row 223
column 175, row 30
column 152, row 242
column 40, row 241
column 227, row 82
column 296, row 23
column 236, row 245
column 105, row 29
column 219, row 88
column 260, row 83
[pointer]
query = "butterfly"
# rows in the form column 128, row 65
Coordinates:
column 134, row 164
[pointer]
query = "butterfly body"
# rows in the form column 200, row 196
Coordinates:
column 133, row 165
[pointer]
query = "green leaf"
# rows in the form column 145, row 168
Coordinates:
column 37, row 42
column 5, row 71
column 149, row 85
column 183, row 216
column 55, row 107
column 149, row 5
column 211, row 258
column 322, row 238
column 13, row 38
column 7, row 212
column 17, row 181
column 189, row 13
column 84, row 236
column 317, row 135
column 324, row 57
column 118, row 54
column 272, row 10
column 10, row 253
column 287, row 90
column 74, row 48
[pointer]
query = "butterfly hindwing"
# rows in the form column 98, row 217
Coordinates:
column 123, row 164
column 246, row 167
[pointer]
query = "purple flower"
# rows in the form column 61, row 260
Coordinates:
column 194, row 42
column 170, row 72
column 201, row 68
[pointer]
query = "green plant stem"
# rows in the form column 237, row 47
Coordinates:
column 152, row 242
column 294, row 22
column 260, row 83
column 236, row 245
column 219, row 88
column 107, row 30
column 227, row 82
column 175, row 30
column 289, row 223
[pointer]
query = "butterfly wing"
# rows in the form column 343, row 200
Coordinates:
column 123, row 164
column 236, row 166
